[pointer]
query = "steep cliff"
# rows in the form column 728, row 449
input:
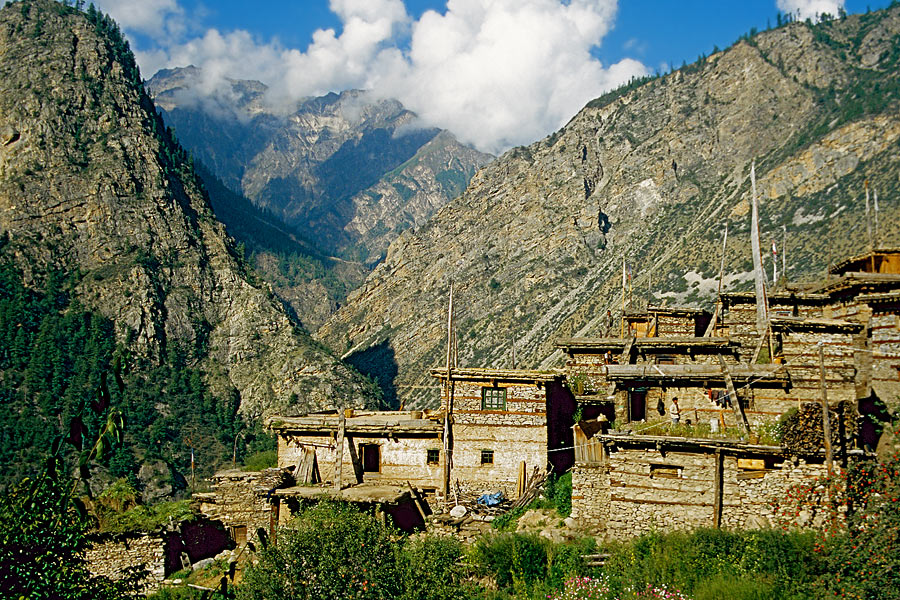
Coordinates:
column 649, row 174
column 93, row 186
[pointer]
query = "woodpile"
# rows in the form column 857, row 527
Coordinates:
column 802, row 433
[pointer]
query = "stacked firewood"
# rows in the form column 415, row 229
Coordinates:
column 803, row 432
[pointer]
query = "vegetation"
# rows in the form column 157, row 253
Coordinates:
column 55, row 356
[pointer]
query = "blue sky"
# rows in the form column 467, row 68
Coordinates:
column 497, row 73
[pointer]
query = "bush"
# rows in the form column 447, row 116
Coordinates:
column 330, row 552
column 430, row 569
column 260, row 460
column 511, row 557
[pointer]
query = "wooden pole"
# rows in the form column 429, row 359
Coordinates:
column 717, row 491
column 826, row 420
column 732, row 394
column 339, row 459
column 449, row 407
column 623, row 298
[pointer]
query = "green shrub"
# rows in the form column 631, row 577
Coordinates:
column 329, row 552
column 260, row 460
column 430, row 569
column 511, row 557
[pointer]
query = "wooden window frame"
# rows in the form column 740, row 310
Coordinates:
column 433, row 456
column 487, row 457
column 493, row 398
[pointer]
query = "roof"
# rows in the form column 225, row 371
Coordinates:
column 521, row 375
column 363, row 493
column 893, row 296
column 618, row 344
column 842, row 266
column 669, row 442
column 813, row 324
column 786, row 297
column 682, row 311
column 696, row 372
column 383, row 422
column 851, row 280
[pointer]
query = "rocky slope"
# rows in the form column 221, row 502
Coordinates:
column 348, row 170
column 651, row 174
column 91, row 184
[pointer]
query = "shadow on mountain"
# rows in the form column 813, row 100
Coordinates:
column 379, row 363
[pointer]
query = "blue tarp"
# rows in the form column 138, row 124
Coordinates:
column 491, row 499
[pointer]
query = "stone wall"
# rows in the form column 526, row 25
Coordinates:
column 641, row 488
column 738, row 318
column 110, row 556
column 242, row 501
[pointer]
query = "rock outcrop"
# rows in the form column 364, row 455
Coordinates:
column 92, row 184
column 650, row 175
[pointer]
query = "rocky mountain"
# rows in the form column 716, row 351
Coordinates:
column 650, row 174
column 93, row 187
column 348, row 170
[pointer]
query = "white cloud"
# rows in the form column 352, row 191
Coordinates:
column 156, row 18
column 810, row 9
column 495, row 72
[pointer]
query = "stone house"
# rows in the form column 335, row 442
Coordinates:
column 658, row 483
column 841, row 334
column 504, row 424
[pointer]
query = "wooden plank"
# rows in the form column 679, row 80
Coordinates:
column 826, row 417
column 415, row 497
column 732, row 394
column 626, row 353
column 751, row 463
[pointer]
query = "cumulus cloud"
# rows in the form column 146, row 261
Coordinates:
column 810, row 9
column 161, row 19
column 497, row 73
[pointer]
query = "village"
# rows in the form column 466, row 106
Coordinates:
column 688, row 418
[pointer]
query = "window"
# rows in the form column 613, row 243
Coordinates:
column 493, row 398
column 665, row 471
column 665, row 359
column 487, row 457
column 434, row 456
column 371, row 457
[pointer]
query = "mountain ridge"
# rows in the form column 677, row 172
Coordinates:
column 648, row 175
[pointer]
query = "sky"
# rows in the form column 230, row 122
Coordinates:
column 497, row 73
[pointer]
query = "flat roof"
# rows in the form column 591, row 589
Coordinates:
column 780, row 297
column 360, row 493
column 701, row 372
column 838, row 268
column 474, row 374
column 877, row 298
column 815, row 324
column 667, row 310
column 361, row 422
column 858, row 279
column 604, row 344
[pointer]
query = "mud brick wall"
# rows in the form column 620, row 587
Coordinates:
column 403, row 457
column 110, row 556
column 516, row 434
column 641, row 489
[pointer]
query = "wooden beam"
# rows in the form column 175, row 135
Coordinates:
column 626, row 353
column 732, row 393
column 717, row 491
column 339, row 459
column 826, row 417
